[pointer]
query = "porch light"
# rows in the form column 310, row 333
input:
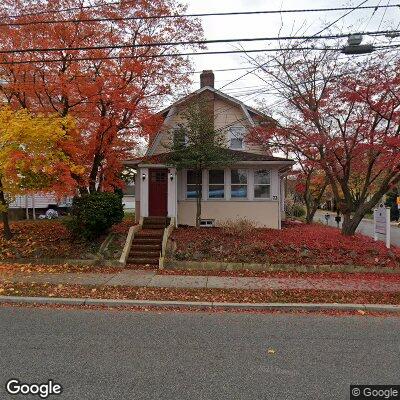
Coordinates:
column 171, row 177
column 143, row 176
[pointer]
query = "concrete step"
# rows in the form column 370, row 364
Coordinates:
column 144, row 254
column 145, row 247
column 154, row 227
column 156, row 222
column 134, row 260
column 148, row 237
column 153, row 238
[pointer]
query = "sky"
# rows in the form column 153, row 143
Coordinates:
column 227, row 27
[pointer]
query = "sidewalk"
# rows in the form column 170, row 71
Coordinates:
column 142, row 278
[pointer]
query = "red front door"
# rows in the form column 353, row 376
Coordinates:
column 158, row 192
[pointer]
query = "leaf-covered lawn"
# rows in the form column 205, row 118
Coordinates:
column 296, row 243
column 44, row 239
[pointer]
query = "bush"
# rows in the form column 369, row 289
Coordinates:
column 240, row 227
column 295, row 210
column 298, row 210
column 93, row 214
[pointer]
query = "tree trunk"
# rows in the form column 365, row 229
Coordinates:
column 93, row 173
column 350, row 224
column 199, row 195
column 310, row 214
column 6, row 226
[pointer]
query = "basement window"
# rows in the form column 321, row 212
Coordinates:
column 207, row 223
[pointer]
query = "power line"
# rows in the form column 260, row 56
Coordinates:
column 188, row 42
column 318, row 33
column 150, row 56
column 170, row 16
column 270, row 61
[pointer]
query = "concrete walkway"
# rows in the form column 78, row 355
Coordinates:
column 151, row 279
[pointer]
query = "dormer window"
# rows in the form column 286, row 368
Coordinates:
column 236, row 135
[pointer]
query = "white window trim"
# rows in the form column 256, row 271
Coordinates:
column 274, row 186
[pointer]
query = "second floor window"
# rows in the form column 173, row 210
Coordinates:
column 180, row 138
column 216, row 184
column 236, row 135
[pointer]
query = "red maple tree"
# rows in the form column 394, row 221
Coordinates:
column 104, row 68
column 343, row 119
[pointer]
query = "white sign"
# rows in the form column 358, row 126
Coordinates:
column 382, row 223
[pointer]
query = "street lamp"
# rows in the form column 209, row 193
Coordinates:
column 354, row 45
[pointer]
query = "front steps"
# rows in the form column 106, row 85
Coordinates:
column 147, row 243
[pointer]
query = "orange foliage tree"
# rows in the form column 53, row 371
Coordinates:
column 105, row 67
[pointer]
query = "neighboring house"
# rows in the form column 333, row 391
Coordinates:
column 129, row 200
column 34, row 205
column 252, row 188
column 31, row 206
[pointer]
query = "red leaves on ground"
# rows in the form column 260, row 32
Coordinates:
column 43, row 239
column 299, row 244
column 217, row 295
column 123, row 227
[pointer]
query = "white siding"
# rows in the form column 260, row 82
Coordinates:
column 39, row 201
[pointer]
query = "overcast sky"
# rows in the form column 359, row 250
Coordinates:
column 270, row 25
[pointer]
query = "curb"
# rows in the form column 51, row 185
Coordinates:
column 388, row 308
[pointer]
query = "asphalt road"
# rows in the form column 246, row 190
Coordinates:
column 127, row 355
column 366, row 227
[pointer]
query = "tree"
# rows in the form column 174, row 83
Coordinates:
column 109, row 73
column 36, row 154
column 343, row 119
column 311, row 185
column 391, row 201
column 197, row 146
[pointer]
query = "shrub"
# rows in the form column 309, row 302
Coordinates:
column 239, row 227
column 93, row 214
column 295, row 210
column 298, row 210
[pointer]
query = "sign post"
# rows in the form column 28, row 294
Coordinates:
column 382, row 223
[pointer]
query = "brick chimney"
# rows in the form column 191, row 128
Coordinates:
column 207, row 78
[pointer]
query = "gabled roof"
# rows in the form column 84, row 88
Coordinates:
column 169, row 110
column 237, row 155
column 217, row 92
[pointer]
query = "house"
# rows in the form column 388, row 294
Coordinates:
column 251, row 188
column 31, row 206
